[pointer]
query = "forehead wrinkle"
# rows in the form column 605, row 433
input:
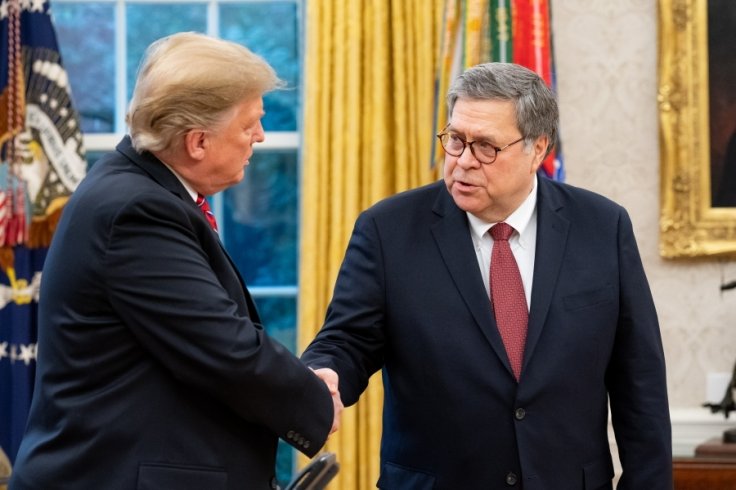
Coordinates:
column 484, row 118
column 474, row 135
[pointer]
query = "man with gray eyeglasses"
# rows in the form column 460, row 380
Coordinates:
column 506, row 310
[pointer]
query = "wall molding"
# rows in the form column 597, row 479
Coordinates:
column 690, row 427
column 693, row 426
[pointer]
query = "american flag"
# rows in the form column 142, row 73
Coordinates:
column 43, row 160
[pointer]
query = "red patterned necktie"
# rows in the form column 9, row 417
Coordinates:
column 507, row 297
column 205, row 207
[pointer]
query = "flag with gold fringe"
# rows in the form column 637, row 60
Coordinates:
column 43, row 161
column 479, row 31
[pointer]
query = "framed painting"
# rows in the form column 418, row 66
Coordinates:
column 697, row 115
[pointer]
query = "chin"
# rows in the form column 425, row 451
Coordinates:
column 465, row 202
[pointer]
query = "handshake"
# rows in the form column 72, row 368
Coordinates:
column 331, row 379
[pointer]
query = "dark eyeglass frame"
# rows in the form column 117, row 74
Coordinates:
column 469, row 144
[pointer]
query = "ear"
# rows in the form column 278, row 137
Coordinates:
column 539, row 149
column 195, row 143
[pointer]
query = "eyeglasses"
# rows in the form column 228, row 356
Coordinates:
column 484, row 152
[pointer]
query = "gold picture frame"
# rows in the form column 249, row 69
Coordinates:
column 689, row 225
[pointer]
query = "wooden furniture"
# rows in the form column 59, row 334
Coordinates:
column 716, row 448
column 703, row 473
column 712, row 468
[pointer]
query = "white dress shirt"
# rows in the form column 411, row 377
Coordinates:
column 523, row 242
column 192, row 193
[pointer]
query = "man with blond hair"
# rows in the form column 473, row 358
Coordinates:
column 153, row 369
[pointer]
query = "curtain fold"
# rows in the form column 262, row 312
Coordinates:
column 369, row 98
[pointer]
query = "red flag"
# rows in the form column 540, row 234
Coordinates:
column 533, row 48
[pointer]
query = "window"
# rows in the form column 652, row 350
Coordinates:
column 102, row 42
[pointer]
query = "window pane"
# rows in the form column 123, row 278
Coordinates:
column 150, row 21
column 278, row 315
column 86, row 36
column 271, row 30
column 284, row 463
column 260, row 220
column 93, row 156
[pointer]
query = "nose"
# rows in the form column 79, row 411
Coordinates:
column 467, row 159
column 259, row 135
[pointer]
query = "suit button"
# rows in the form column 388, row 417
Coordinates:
column 519, row 413
column 273, row 484
column 301, row 441
column 306, row 444
column 290, row 434
column 511, row 479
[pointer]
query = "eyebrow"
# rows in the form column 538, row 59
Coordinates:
column 483, row 138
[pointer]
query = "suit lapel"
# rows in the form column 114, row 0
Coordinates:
column 552, row 231
column 453, row 239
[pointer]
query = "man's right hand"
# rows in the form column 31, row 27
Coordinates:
column 332, row 380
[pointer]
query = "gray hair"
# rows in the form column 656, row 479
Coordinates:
column 536, row 107
column 192, row 81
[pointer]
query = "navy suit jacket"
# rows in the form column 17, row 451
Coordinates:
column 409, row 298
column 153, row 369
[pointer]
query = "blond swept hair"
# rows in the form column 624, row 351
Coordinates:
column 192, row 81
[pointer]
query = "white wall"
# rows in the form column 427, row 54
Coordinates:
column 606, row 57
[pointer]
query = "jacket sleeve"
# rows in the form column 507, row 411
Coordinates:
column 351, row 342
column 636, row 378
column 161, row 282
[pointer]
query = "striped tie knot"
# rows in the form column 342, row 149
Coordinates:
column 205, row 207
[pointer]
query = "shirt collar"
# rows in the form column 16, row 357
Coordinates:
column 192, row 193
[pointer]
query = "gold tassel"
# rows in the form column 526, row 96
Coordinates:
column 43, row 228
column 7, row 258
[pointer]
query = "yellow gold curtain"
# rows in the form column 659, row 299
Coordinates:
column 371, row 67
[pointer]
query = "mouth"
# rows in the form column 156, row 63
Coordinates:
column 463, row 186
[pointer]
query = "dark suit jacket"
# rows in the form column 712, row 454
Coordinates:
column 409, row 299
column 153, row 370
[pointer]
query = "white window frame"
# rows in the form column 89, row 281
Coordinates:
column 103, row 142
